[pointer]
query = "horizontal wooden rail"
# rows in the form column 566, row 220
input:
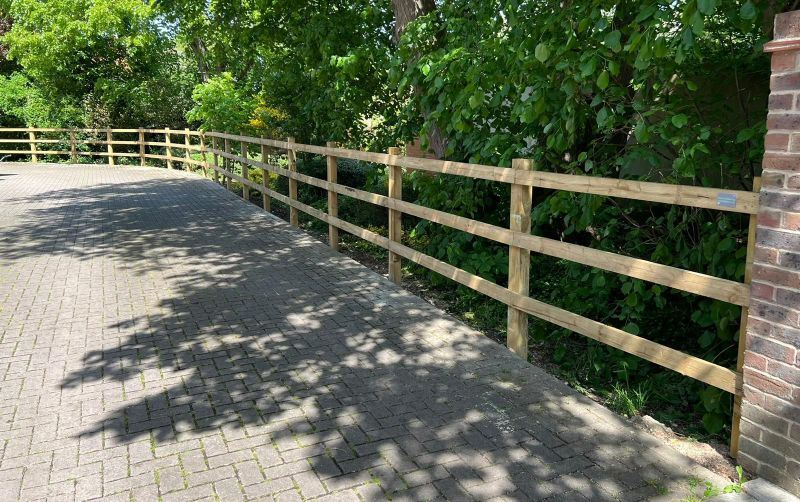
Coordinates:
column 28, row 140
column 683, row 280
column 102, row 142
column 96, row 131
column 699, row 369
column 28, row 152
column 685, row 195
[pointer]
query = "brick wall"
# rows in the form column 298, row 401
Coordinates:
column 770, row 428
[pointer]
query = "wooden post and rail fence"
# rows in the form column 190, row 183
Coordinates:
column 202, row 150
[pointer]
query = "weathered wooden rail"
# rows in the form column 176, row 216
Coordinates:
column 522, row 177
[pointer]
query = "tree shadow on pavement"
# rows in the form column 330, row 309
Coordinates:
column 214, row 342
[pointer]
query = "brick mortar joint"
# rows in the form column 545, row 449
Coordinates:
column 777, row 342
column 778, row 286
column 781, row 211
column 761, row 409
column 755, row 372
column 767, row 412
column 769, row 321
column 784, row 131
column 771, row 189
column 761, row 427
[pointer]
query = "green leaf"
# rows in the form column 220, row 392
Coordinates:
column 712, row 398
column 476, row 100
column 680, row 120
column 631, row 328
column 725, row 244
column 612, row 41
column 713, row 422
column 706, row 339
column 542, row 52
column 748, row 11
column 528, row 115
column 744, row 135
column 687, row 38
column 698, row 25
column 641, row 132
column 706, row 6
column 602, row 80
column 588, row 67
column 602, row 117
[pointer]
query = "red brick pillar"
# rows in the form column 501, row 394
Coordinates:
column 770, row 429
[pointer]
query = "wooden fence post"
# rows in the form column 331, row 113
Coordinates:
column 215, row 147
column 187, row 154
column 245, row 173
column 266, row 200
column 168, row 141
column 519, row 261
column 742, row 344
column 110, row 146
column 141, row 147
column 203, row 153
column 73, row 149
column 294, row 218
column 395, row 217
column 227, row 164
column 333, row 198
column 32, row 138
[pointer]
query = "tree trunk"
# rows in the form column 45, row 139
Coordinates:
column 200, row 53
column 406, row 11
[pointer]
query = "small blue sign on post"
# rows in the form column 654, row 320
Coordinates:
column 726, row 199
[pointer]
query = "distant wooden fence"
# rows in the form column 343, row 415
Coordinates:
column 522, row 177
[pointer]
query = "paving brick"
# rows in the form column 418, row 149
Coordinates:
column 203, row 492
column 228, row 490
column 310, row 486
column 269, row 487
column 343, row 496
column 288, row 496
column 170, row 479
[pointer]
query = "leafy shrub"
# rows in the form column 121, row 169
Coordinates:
column 221, row 106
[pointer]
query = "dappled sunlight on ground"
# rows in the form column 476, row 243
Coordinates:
column 159, row 337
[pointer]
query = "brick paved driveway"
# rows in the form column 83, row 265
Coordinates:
column 161, row 338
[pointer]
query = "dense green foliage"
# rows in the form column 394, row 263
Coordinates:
column 323, row 64
column 662, row 90
column 91, row 62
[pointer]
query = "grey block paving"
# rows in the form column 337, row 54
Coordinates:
column 160, row 338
